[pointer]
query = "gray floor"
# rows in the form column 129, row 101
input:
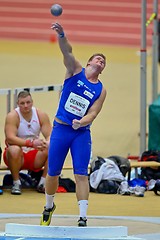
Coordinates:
column 149, row 226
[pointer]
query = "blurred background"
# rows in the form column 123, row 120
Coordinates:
column 30, row 57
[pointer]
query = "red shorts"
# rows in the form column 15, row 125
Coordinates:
column 28, row 162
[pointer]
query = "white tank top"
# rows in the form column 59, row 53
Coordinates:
column 28, row 130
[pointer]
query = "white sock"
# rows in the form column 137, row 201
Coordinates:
column 17, row 182
column 42, row 181
column 49, row 200
column 83, row 206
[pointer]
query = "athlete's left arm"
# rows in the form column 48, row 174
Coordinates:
column 92, row 112
column 45, row 124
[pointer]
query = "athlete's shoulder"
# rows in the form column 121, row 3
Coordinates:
column 12, row 118
column 13, row 113
column 43, row 116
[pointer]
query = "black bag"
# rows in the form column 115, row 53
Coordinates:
column 105, row 186
column 108, row 187
column 157, row 188
column 122, row 163
column 150, row 155
column 68, row 184
column 35, row 176
column 96, row 164
column 149, row 173
column 25, row 179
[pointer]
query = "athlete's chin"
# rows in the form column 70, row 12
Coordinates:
column 98, row 67
column 26, row 111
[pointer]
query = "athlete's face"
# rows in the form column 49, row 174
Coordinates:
column 25, row 104
column 98, row 62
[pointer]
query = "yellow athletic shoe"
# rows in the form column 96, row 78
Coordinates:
column 47, row 216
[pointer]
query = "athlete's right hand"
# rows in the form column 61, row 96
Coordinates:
column 39, row 144
column 57, row 27
column 76, row 124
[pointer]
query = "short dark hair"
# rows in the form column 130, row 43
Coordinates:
column 97, row 54
column 23, row 94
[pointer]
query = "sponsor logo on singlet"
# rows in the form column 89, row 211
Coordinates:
column 88, row 94
column 76, row 104
column 80, row 83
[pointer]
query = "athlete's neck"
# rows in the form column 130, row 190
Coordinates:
column 91, row 74
column 27, row 115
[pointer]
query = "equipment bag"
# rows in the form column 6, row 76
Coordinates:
column 150, row 155
column 105, row 176
column 149, row 173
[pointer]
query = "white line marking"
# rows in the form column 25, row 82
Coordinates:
column 19, row 238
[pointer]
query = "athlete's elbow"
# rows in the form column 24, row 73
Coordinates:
column 10, row 140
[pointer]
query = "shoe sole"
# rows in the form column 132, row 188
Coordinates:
column 49, row 220
column 139, row 195
column 16, row 193
column 82, row 225
column 126, row 194
column 40, row 191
